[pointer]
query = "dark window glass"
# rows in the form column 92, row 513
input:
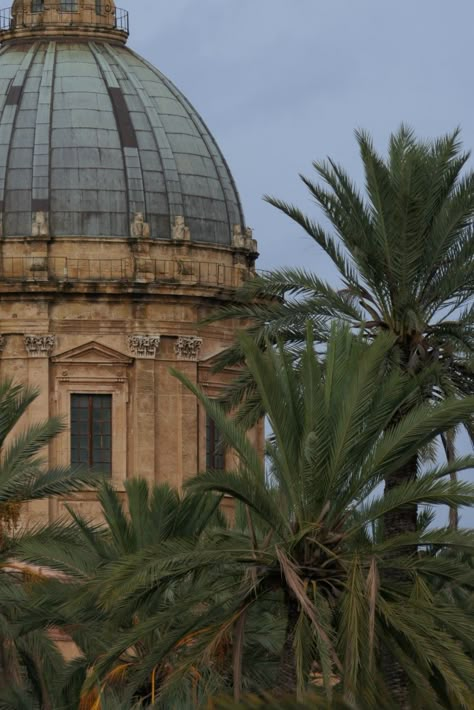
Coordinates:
column 214, row 447
column 37, row 5
column 69, row 5
column 91, row 431
column 98, row 6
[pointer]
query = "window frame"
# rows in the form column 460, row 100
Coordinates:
column 87, row 441
column 215, row 447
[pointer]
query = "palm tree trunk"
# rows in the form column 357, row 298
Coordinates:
column 396, row 680
column 288, row 676
column 403, row 519
column 397, row 522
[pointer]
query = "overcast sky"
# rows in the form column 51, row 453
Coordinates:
column 284, row 82
column 281, row 83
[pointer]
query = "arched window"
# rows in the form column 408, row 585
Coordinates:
column 98, row 7
column 37, row 6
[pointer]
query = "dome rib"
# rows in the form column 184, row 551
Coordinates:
column 233, row 202
column 9, row 114
column 88, row 178
column 168, row 163
column 41, row 150
column 127, row 133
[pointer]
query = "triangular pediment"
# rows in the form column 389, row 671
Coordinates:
column 211, row 359
column 93, row 353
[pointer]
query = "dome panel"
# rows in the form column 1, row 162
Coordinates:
column 91, row 135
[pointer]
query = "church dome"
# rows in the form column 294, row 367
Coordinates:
column 94, row 138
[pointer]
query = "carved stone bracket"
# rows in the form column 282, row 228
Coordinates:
column 144, row 346
column 39, row 345
column 188, row 348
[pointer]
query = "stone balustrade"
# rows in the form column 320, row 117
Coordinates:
column 132, row 269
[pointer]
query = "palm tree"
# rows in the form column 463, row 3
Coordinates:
column 404, row 252
column 29, row 662
column 309, row 551
column 83, row 553
column 23, row 475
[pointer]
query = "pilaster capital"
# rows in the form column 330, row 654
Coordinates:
column 39, row 345
column 144, row 346
column 188, row 347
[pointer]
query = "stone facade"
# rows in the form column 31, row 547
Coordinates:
column 121, row 230
column 99, row 145
column 83, row 327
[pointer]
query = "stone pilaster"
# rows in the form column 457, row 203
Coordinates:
column 142, row 437
column 189, row 424
column 38, row 349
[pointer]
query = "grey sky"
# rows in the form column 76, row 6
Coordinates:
column 283, row 82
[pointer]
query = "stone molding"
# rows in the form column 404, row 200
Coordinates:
column 39, row 345
column 144, row 346
column 188, row 347
column 3, row 342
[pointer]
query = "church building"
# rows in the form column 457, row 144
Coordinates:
column 121, row 229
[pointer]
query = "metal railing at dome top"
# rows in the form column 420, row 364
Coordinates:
column 65, row 14
column 174, row 272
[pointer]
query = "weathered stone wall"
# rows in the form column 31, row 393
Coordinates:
column 89, row 330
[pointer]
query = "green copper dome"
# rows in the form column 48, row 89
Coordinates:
column 92, row 136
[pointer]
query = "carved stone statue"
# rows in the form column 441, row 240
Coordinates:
column 180, row 232
column 40, row 226
column 140, row 229
column 243, row 239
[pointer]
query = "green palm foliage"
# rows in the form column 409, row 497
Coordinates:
column 85, row 555
column 29, row 662
column 404, row 251
column 310, row 554
column 23, row 474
